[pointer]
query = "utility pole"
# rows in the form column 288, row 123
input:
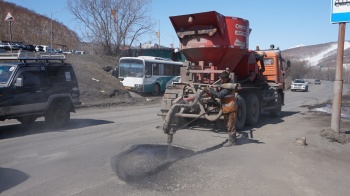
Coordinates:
column 51, row 35
column 115, row 17
column 341, row 15
column 158, row 35
column 51, row 31
column 338, row 82
column 9, row 18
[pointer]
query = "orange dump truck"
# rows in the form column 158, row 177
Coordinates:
column 213, row 43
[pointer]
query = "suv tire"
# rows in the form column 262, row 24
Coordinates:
column 58, row 115
column 27, row 119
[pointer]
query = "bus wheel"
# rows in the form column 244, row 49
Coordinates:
column 156, row 90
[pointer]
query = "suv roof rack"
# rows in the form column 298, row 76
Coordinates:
column 23, row 56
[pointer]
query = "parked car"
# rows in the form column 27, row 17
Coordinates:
column 317, row 81
column 29, row 47
column 9, row 46
column 174, row 80
column 299, row 84
column 39, row 48
column 67, row 52
column 5, row 46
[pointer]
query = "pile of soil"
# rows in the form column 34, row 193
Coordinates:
column 98, row 87
column 342, row 137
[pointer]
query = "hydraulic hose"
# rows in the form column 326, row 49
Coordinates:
column 175, row 108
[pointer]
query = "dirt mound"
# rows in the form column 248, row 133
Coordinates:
column 98, row 86
column 343, row 138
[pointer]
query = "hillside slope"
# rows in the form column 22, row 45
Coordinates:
column 32, row 28
column 319, row 55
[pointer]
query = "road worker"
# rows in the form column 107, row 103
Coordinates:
column 228, row 106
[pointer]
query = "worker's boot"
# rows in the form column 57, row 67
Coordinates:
column 231, row 140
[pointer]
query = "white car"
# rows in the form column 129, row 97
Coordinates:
column 299, row 84
column 174, row 80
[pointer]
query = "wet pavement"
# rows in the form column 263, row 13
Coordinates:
column 345, row 110
column 145, row 165
column 141, row 161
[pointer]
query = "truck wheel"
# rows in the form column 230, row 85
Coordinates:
column 156, row 90
column 27, row 119
column 58, row 115
column 253, row 109
column 277, row 111
column 241, row 113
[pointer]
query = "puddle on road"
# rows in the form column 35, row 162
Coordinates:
column 345, row 110
column 141, row 162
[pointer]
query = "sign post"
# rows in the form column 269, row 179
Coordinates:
column 340, row 13
column 9, row 18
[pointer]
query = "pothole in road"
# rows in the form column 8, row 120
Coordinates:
column 141, row 163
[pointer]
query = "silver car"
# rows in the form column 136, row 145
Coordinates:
column 174, row 80
column 299, row 84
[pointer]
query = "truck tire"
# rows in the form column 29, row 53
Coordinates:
column 58, row 115
column 156, row 89
column 253, row 109
column 277, row 111
column 241, row 113
column 27, row 119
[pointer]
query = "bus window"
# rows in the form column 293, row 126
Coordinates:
column 161, row 69
column 156, row 69
column 168, row 70
column 176, row 70
column 148, row 69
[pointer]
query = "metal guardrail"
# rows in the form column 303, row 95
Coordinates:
column 31, row 56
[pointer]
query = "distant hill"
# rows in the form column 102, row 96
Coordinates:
column 324, row 55
column 32, row 28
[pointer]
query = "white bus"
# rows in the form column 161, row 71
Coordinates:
column 147, row 74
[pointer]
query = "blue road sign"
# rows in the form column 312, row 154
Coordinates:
column 340, row 11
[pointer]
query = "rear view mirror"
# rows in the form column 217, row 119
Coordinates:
column 288, row 65
column 19, row 82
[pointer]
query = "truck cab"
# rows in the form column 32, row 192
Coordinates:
column 274, row 66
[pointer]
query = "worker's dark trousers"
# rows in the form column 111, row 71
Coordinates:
column 230, row 122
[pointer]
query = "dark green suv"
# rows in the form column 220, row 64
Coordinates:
column 34, row 85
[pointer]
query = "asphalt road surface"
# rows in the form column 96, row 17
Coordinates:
column 123, row 151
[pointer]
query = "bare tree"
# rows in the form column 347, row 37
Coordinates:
column 112, row 24
column 299, row 69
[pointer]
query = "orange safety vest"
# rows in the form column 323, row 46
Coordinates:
column 228, row 103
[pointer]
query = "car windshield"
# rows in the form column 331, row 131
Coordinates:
column 5, row 73
column 299, row 81
column 176, row 79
